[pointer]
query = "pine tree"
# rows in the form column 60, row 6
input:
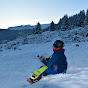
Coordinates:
column 52, row 26
column 38, row 29
column 65, row 23
column 81, row 17
column 86, row 18
column 73, row 21
column 70, row 21
column 59, row 24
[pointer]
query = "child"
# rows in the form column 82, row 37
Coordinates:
column 57, row 63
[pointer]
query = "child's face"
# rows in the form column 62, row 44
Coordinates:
column 54, row 47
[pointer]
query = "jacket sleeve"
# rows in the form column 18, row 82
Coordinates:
column 44, row 62
column 51, row 61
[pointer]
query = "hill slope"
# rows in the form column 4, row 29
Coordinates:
column 16, row 66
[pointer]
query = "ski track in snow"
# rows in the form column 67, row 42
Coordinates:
column 17, row 65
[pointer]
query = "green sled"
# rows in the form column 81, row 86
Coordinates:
column 38, row 72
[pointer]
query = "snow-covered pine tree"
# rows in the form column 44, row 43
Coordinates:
column 38, row 29
column 65, row 23
column 59, row 24
column 86, row 18
column 52, row 26
column 73, row 21
column 80, row 19
column 70, row 20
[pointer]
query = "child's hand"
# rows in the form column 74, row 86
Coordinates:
column 44, row 58
column 41, row 59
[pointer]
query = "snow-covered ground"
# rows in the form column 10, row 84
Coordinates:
column 18, row 60
column 17, row 65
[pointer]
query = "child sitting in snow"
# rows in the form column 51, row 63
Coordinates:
column 57, row 63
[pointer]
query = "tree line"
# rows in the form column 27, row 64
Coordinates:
column 67, row 22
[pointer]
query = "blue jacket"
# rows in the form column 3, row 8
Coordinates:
column 57, row 62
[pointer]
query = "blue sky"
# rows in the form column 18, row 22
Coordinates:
column 23, row 12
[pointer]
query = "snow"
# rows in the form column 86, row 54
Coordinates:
column 17, row 65
column 22, row 27
column 25, row 27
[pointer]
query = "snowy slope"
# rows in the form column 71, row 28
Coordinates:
column 76, row 35
column 18, row 61
column 17, row 65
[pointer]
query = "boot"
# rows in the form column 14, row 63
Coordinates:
column 33, row 81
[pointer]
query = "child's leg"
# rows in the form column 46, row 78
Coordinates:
column 49, row 71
